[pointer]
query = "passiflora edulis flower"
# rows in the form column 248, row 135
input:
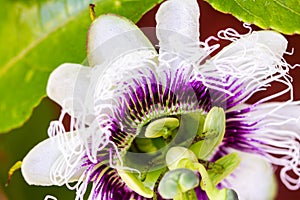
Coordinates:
column 172, row 123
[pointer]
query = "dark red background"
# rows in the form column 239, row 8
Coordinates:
column 211, row 21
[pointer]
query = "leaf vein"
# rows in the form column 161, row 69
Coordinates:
column 23, row 53
column 238, row 3
column 286, row 7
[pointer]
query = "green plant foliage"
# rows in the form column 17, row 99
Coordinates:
column 36, row 37
column 280, row 15
column 15, row 146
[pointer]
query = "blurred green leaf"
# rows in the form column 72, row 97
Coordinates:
column 17, row 144
column 37, row 36
column 280, row 15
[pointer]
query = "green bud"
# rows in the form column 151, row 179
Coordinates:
column 177, row 181
column 161, row 127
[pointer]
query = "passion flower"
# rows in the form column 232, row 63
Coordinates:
column 172, row 124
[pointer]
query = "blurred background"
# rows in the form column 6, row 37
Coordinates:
column 15, row 144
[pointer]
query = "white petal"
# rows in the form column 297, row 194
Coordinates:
column 178, row 33
column 258, row 42
column 253, row 179
column 68, row 85
column 248, row 65
column 111, row 36
column 177, row 19
column 37, row 164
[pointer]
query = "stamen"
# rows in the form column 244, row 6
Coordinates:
column 161, row 127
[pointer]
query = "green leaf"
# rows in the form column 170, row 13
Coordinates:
column 36, row 37
column 280, row 15
column 16, row 145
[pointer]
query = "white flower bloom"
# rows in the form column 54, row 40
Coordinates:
column 129, row 87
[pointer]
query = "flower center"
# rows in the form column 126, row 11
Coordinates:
column 197, row 132
column 155, row 112
column 155, row 135
column 148, row 149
